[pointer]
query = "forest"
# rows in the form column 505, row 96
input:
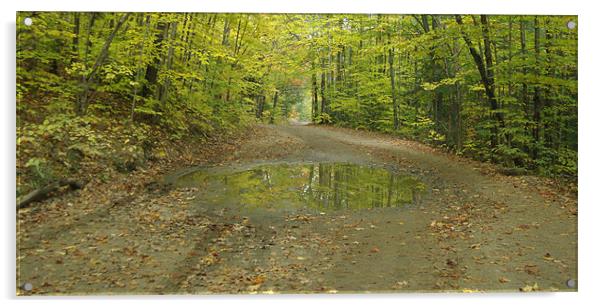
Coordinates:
column 171, row 153
column 495, row 88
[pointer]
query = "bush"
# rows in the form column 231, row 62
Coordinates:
column 323, row 118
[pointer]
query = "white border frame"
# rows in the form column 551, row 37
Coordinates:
column 589, row 136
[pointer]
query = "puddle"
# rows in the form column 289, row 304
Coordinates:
column 321, row 186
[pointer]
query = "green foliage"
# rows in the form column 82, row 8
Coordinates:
column 62, row 144
column 323, row 118
column 42, row 173
column 414, row 76
column 199, row 74
column 184, row 75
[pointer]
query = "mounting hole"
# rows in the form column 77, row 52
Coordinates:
column 571, row 25
column 571, row 283
column 27, row 286
column 28, row 21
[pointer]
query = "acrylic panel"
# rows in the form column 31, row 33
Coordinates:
column 226, row 153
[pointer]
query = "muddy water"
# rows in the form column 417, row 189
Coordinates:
column 322, row 187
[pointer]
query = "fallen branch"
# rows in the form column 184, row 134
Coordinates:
column 42, row 193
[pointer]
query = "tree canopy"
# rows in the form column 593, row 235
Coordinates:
column 497, row 88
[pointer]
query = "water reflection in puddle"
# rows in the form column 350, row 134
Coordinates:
column 322, row 186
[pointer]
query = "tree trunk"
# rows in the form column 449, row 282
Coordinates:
column 324, row 107
column 525, row 89
column 272, row 116
column 152, row 69
column 139, row 68
column 491, row 79
column 226, row 34
column 169, row 62
column 537, row 103
column 510, row 55
column 75, row 36
column 88, row 41
column 260, row 103
column 486, row 73
column 83, row 101
column 314, row 92
column 548, row 133
column 393, row 94
column 42, row 193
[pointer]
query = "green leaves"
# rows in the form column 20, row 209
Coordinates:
column 430, row 86
column 35, row 162
column 196, row 71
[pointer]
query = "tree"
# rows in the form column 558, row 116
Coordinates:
column 476, row 84
column 83, row 100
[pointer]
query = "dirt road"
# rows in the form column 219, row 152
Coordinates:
column 472, row 229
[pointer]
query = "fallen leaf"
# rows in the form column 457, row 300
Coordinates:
column 529, row 288
column 401, row 284
column 504, row 279
column 548, row 257
column 253, row 288
column 258, row 280
column 531, row 269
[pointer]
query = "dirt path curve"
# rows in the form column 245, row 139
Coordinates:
column 517, row 237
column 472, row 230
